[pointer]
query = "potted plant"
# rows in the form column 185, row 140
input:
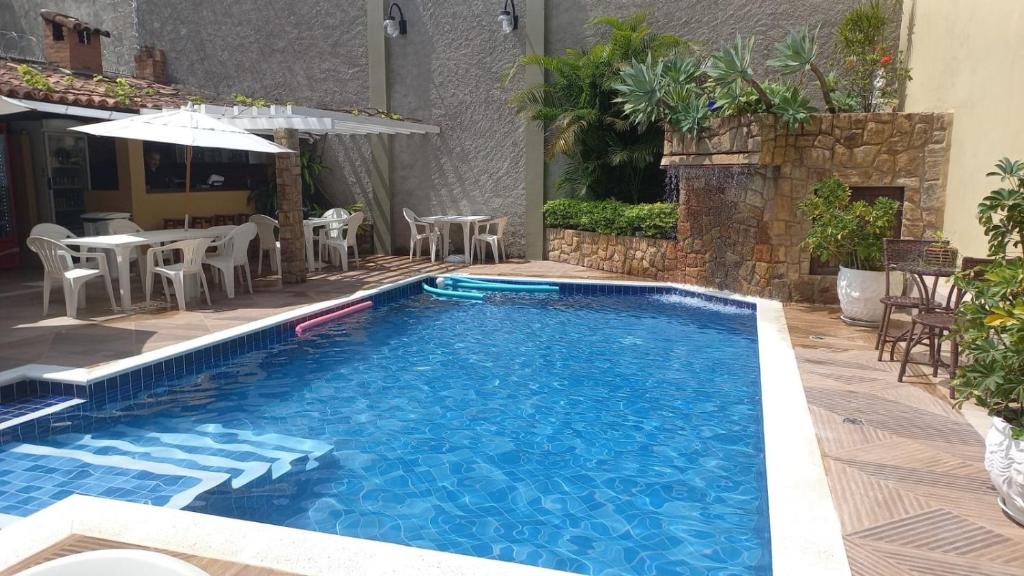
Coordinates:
column 940, row 254
column 990, row 331
column 851, row 234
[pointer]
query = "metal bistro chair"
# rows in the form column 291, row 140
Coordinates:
column 899, row 251
column 935, row 323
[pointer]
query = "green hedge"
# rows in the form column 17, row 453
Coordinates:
column 611, row 217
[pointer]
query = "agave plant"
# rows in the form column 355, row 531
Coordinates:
column 791, row 105
column 691, row 117
column 796, row 55
column 651, row 93
column 730, row 68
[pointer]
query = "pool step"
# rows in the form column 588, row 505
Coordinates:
column 161, row 468
column 37, row 476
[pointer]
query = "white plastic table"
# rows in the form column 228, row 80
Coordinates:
column 122, row 244
column 312, row 258
column 445, row 221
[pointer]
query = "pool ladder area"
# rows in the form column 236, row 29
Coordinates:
column 162, row 468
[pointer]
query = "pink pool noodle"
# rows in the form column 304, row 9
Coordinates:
column 320, row 321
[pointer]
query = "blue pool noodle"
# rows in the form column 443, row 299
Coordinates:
column 473, row 284
column 452, row 294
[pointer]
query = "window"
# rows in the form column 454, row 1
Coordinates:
column 213, row 169
column 84, row 37
column 868, row 194
column 102, row 163
column 58, row 32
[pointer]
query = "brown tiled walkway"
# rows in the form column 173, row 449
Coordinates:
column 77, row 543
column 904, row 467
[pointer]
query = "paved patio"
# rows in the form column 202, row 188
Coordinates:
column 100, row 335
column 904, row 467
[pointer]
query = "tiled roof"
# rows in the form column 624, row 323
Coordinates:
column 76, row 89
column 71, row 22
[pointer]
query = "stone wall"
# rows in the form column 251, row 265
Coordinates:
column 645, row 257
column 739, row 185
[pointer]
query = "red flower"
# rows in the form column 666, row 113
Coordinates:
column 885, row 60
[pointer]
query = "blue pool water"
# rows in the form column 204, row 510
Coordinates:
column 593, row 434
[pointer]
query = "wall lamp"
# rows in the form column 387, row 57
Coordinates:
column 395, row 28
column 509, row 20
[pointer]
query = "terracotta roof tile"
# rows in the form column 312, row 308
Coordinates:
column 76, row 89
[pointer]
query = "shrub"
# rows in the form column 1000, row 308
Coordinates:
column 850, row 232
column 990, row 323
column 611, row 217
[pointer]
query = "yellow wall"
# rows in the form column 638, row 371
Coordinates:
column 966, row 56
column 149, row 210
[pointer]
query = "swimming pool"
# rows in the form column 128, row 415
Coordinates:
column 596, row 433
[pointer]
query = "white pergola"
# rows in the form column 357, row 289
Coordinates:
column 310, row 120
column 280, row 120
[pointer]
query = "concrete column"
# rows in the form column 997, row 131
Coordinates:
column 380, row 145
column 289, row 208
column 533, row 136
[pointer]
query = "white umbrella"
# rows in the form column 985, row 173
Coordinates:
column 187, row 128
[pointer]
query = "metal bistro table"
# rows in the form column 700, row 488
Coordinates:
column 927, row 292
column 444, row 222
column 122, row 244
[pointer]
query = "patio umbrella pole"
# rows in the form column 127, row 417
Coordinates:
column 188, row 180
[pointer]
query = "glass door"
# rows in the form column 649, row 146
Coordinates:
column 67, row 160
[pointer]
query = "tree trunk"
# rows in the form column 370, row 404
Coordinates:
column 289, row 208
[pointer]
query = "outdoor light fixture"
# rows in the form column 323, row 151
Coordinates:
column 395, row 28
column 509, row 20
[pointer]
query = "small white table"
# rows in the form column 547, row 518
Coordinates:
column 122, row 244
column 313, row 261
column 443, row 222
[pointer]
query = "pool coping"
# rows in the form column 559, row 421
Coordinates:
column 264, row 545
column 806, row 537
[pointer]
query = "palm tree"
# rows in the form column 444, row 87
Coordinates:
column 606, row 156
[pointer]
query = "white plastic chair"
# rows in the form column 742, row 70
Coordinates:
column 265, row 227
column 121, row 226
column 232, row 252
column 51, row 231
column 416, row 237
column 58, row 265
column 220, row 232
column 347, row 240
column 331, row 231
column 192, row 254
column 496, row 239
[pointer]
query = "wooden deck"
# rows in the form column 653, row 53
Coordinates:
column 77, row 543
column 904, row 467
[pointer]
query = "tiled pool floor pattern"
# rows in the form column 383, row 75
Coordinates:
column 905, row 469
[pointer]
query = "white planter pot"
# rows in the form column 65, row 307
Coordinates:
column 1004, row 460
column 860, row 291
